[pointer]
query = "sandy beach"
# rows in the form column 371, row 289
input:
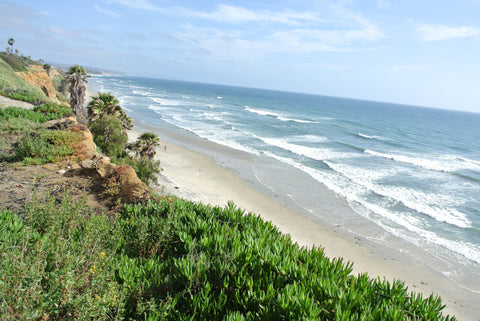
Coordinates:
column 197, row 177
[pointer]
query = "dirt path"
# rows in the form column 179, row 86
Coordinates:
column 7, row 102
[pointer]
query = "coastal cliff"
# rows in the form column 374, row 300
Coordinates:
column 38, row 77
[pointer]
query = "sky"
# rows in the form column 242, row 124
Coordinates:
column 417, row 52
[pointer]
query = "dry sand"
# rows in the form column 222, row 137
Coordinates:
column 196, row 177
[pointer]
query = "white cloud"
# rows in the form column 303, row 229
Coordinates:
column 436, row 32
column 106, row 11
column 409, row 67
column 237, row 14
column 136, row 4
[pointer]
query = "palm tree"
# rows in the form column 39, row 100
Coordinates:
column 127, row 122
column 145, row 145
column 106, row 104
column 77, row 79
column 102, row 105
column 11, row 41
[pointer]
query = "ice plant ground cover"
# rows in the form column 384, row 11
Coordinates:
column 179, row 260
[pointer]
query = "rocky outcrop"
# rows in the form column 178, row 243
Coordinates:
column 39, row 78
column 120, row 182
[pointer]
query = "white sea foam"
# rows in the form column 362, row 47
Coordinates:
column 442, row 164
column 165, row 101
column 311, row 152
column 141, row 92
column 309, row 139
column 354, row 196
column 278, row 116
column 419, row 201
column 371, row 137
column 365, row 136
column 471, row 161
column 261, row 112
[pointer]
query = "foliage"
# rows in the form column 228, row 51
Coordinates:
column 106, row 104
column 47, row 68
column 11, row 41
column 146, row 169
column 17, row 63
column 77, row 77
column 145, row 145
column 40, row 114
column 10, row 81
column 109, row 135
column 177, row 260
column 18, row 125
column 58, row 264
column 24, row 95
column 52, row 109
column 46, row 147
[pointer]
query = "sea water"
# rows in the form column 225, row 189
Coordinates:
column 410, row 172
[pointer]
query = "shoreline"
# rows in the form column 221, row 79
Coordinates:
column 197, row 176
column 203, row 171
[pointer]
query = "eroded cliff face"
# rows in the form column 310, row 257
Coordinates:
column 39, row 78
column 121, row 181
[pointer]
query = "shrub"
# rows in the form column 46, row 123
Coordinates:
column 18, row 125
column 46, row 147
column 28, row 96
column 53, row 110
column 17, row 63
column 37, row 114
column 145, row 168
column 58, row 264
column 109, row 135
column 16, row 112
column 177, row 260
column 192, row 261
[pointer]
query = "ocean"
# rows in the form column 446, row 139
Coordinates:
column 410, row 175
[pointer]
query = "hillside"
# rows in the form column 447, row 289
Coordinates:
column 24, row 79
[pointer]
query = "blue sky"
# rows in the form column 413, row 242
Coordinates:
column 418, row 52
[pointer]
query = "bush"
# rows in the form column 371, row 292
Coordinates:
column 177, row 260
column 28, row 96
column 17, row 63
column 37, row 115
column 53, row 110
column 145, row 168
column 16, row 112
column 47, row 147
column 58, row 264
column 192, row 261
column 109, row 135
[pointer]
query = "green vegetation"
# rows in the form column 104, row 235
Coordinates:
column 10, row 82
column 109, row 135
column 48, row 146
column 35, row 145
column 109, row 123
column 25, row 95
column 106, row 104
column 77, row 77
column 177, row 260
column 39, row 114
column 52, row 110
column 145, row 145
